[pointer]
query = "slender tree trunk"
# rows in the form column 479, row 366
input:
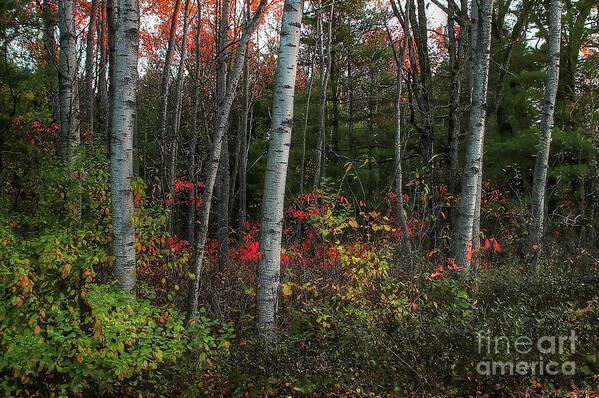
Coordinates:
column 542, row 161
column 305, row 129
column 121, row 156
column 220, row 128
column 476, row 130
column 67, row 83
column 223, row 171
column 50, row 51
column 112, row 13
column 399, row 59
column 243, row 139
column 398, row 170
column 103, row 62
column 174, row 141
column 191, row 216
column 164, row 89
column 89, row 67
column 325, row 66
column 268, row 276
column 475, row 245
column 456, row 61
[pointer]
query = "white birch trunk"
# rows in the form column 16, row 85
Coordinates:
column 542, row 161
column 476, row 133
column 121, row 156
column 67, row 83
column 276, row 169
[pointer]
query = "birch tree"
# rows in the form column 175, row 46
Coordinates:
column 456, row 68
column 121, row 155
column 67, row 83
column 215, row 150
column 476, row 132
column 542, row 161
column 276, row 169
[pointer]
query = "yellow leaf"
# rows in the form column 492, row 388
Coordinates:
column 287, row 289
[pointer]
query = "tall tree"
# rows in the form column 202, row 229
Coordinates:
column 112, row 13
column 50, row 53
column 215, row 150
column 271, row 229
column 104, row 101
column 456, row 68
column 399, row 58
column 88, row 88
column 325, row 68
column 542, row 161
column 174, row 141
column 164, row 89
column 481, row 36
column 121, row 155
column 67, row 83
column 191, row 216
column 243, row 135
column 223, row 171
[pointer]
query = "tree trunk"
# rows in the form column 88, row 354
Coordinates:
column 476, row 130
column 112, row 14
column 223, row 171
column 325, row 66
column 89, row 67
column 191, row 214
column 305, row 129
column 243, row 142
column 542, row 161
column 121, row 156
column 456, row 63
column 178, row 110
column 398, row 171
column 276, row 170
column 220, row 128
column 164, row 145
column 50, row 52
column 103, row 62
column 67, row 84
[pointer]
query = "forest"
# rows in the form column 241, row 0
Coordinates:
column 288, row 198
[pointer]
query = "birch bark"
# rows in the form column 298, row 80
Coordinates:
column 121, row 156
column 276, row 170
column 476, row 133
column 542, row 161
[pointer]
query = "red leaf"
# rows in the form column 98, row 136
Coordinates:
column 496, row 246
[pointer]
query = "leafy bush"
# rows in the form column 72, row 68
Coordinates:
column 63, row 335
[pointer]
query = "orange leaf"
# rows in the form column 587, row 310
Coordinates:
column 487, row 244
